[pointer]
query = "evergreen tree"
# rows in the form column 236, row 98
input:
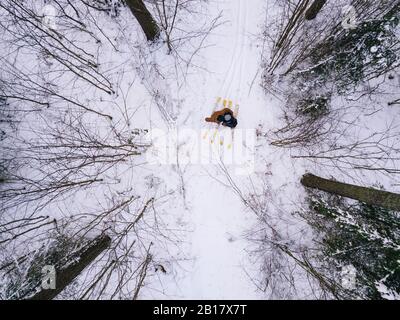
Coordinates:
column 353, row 55
column 362, row 236
column 347, row 58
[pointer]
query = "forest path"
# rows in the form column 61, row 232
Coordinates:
column 220, row 264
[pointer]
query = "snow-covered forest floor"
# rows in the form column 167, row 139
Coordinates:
column 103, row 133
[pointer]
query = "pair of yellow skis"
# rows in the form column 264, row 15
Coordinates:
column 222, row 103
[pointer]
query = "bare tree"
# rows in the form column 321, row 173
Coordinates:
column 314, row 9
column 145, row 19
column 74, row 145
column 63, row 277
column 388, row 200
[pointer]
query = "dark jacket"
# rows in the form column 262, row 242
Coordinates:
column 228, row 120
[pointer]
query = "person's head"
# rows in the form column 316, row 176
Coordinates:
column 227, row 117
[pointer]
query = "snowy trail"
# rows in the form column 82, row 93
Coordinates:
column 220, row 265
column 215, row 262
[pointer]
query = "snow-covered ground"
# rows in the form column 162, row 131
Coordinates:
column 220, row 266
column 216, row 211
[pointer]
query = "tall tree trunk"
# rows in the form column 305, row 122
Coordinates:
column 145, row 19
column 384, row 199
column 315, row 8
column 65, row 276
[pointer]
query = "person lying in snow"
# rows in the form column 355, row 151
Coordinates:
column 224, row 117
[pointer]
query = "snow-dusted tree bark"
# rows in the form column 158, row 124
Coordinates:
column 145, row 19
column 314, row 9
column 384, row 199
column 65, row 276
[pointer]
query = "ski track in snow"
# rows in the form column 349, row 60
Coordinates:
column 218, row 217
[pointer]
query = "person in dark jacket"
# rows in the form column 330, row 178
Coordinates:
column 224, row 117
